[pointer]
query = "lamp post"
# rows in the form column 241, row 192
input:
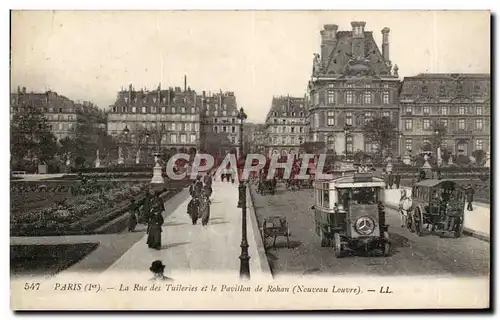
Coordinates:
column 244, row 257
column 346, row 132
column 126, row 132
column 400, row 144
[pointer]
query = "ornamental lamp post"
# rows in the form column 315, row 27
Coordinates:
column 126, row 132
column 244, row 257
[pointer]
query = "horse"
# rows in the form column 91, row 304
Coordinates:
column 405, row 207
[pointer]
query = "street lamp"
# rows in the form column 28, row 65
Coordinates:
column 400, row 145
column 346, row 132
column 244, row 257
column 126, row 132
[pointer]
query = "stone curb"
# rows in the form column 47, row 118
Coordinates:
column 467, row 231
column 264, row 262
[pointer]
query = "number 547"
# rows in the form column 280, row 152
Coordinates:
column 32, row 286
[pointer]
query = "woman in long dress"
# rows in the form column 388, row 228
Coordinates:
column 205, row 209
column 154, row 231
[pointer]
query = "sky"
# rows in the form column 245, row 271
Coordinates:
column 91, row 55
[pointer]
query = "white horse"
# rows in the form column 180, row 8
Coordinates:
column 405, row 207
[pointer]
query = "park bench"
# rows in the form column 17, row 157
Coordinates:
column 16, row 173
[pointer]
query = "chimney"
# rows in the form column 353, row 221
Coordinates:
column 185, row 82
column 24, row 89
column 385, row 46
column 328, row 41
column 18, row 89
column 358, row 38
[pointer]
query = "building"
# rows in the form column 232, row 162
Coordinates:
column 461, row 103
column 254, row 137
column 220, row 131
column 162, row 120
column 62, row 113
column 352, row 82
column 285, row 125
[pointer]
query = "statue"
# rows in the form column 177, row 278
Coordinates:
column 120, row 155
column 97, row 160
column 68, row 159
column 439, row 157
column 395, row 70
column 316, row 64
column 138, row 157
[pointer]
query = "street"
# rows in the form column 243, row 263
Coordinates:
column 411, row 255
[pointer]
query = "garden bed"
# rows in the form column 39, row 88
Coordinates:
column 47, row 259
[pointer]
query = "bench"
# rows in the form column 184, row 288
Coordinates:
column 15, row 173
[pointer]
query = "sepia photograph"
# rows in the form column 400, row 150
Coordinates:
column 250, row 160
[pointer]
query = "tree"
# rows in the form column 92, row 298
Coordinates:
column 438, row 134
column 480, row 156
column 382, row 132
column 31, row 137
column 445, row 155
column 313, row 147
column 215, row 142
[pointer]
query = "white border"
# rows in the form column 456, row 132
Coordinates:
column 186, row 4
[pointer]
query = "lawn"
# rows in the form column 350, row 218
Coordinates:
column 47, row 259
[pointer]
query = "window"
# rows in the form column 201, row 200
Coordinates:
column 461, row 124
column 163, row 109
column 479, row 111
column 301, row 129
column 348, row 118
column 349, row 95
column 368, row 116
column 193, row 110
column 444, row 110
column 479, row 144
column 153, row 109
column 408, row 110
column 408, row 144
column 385, row 97
column 183, row 138
column 426, row 141
column 224, row 113
column 275, row 140
column 59, row 118
column 70, row 118
column 386, row 114
column 367, row 97
column 274, row 114
column 459, row 89
column 331, row 96
column 216, row 129
column 183, row 110
column 408, row 124
column 224, row 129
column 292, row 130
column 424, row 89
column 330, row 118
column 126, row 99
column 173, row 109
column 442, row 90
column 349, row 144
column 193, row 138
column 188, row 126
column 479, row 124
column 427, row 124
column 444, row 123
column 216, row 113
column 461, row 110
column 293, row 114
column 233, row 129
column 233, row 139
column 301, row 114
column 426, row 110
column 60, row 110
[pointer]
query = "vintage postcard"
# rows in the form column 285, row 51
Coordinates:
column 250, row 160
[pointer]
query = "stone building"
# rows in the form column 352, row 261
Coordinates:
column 460, row 103
column 162, row 120
column 219, row 123
column 286, row 125
column 352, row 82
column 62, row 113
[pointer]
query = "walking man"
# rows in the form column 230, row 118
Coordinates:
column 470, row 197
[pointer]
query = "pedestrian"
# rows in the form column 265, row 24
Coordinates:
column 158, row 269
column 191, row 188
column 470, row 197
column 390, row 179
column 146, row 206
column 397, row 180
column 154, row 231
column 132, row 219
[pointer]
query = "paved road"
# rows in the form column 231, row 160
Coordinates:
column 194, row 249
column 411, row 255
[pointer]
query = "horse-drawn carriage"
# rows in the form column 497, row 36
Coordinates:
column 273, row 227
column 439, row 204
column 349, row 213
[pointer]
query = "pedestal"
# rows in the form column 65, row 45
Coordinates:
column 407, row 160
column 97, row 163
column 157, row 175
column 120, row 160
column 427, row 168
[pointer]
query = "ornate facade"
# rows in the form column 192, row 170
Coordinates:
column 352, row 82
column 286, row 125
column 62, row 113
column 165, row 120
column 219, row 120
column 459, row 102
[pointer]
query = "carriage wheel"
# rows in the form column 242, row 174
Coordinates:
column 459, row 227
column 418, row 222
column 337, row 245
column 387, row 244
